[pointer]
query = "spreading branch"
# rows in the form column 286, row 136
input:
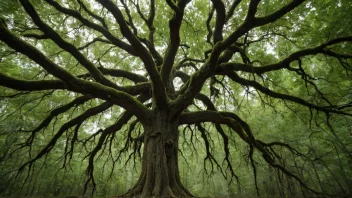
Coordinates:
column 74, row 84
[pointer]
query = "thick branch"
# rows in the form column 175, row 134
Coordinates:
column 158, row 85
column 74, row 84
column 196, row 81
column 48, row 31
column 123, row 73
column 128, row 48
column 251, row 21
column 38, row 85
column 278, row 14
column 194, row 85
column 220, row 19
column 174, row 25
column 36, row 36
column 210, row 31
column 28, row 50
column 30, row 85
column 252, row 9
column 136, row 78
column 285, row 63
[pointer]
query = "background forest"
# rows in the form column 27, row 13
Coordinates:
column 312, row 139
column 325, row 164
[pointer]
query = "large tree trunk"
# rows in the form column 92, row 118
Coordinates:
column 160, row 174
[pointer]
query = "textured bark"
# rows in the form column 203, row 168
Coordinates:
column 160, row 175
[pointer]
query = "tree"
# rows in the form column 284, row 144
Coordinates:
column 170, row 65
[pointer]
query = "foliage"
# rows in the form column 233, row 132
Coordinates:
column 260, row 92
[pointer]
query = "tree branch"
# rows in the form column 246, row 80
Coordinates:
column 48, row 31
column 242, row 129
column 36, row 36
column 74, row 84
column 136, row 78
column 111, row 130
column 100, row 19
column 196, row 81
column 231, row 11
column 30, row 85
column 210, row 31
column 220, row 19
column 278, row 14
column 259, row 87
column 158, row 85
column 128, row 48
column 54, row 113
column 94, row 41
column 223, row 68
column 252, row 9
column 76, row 121
column 174, row 41
column 102, row 139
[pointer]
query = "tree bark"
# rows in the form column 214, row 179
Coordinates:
column 160, row 173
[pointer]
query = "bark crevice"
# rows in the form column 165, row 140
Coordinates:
column 160, row 176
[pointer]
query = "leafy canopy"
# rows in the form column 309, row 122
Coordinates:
column 261, row 81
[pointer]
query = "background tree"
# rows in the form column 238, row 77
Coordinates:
column 150, row 79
